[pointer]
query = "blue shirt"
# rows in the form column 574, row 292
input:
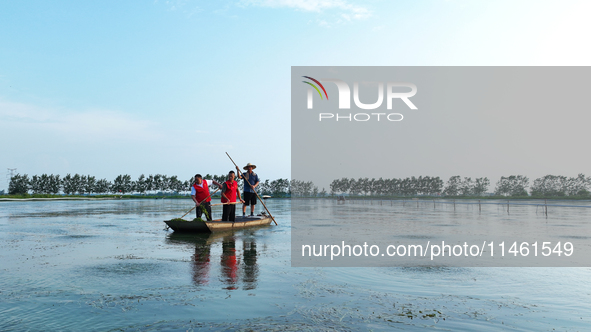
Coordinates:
column 252, row 178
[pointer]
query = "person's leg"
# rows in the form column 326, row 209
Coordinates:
column 232, row 212
column 208, row 209
column 253, row 202
column 198, row 211
column 225, row 213
column 246, row 203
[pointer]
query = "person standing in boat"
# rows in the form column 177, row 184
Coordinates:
column 200, row 193
column 250, row 197
column 229, row 193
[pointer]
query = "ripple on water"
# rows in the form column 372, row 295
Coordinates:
column 123, row 269
column 75, row 236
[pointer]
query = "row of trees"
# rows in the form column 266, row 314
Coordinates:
column 123, row 184
column 412, row 186
column 276, row 188
column 88, row 184
column 546, row 186
column 305, row 189
column 514, row 185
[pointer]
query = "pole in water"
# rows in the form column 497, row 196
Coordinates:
column 479, row 209
column 546, row 204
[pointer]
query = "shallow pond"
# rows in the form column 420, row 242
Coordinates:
column 111, row 265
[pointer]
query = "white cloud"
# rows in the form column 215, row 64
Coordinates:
column 349, row 11
column 89, row 124
column 324, row 24
column 378, row 28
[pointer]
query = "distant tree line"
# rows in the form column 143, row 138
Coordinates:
column 122, row 184
column 299, row 188
column 514, row 185
column 88, row 184
column 546, row 186
column 388, row 187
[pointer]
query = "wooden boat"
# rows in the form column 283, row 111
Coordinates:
column 217, row 225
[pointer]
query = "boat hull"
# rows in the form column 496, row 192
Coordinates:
column 217, row 225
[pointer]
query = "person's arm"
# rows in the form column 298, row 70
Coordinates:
column 257, row 183
column 239, row 197
column 216, row 183
column 224, row 188
column 239, row 174
column 193, row 193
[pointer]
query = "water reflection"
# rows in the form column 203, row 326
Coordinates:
column 201, row 260
column 229, row 263
column 236, row 267
column 250, row 267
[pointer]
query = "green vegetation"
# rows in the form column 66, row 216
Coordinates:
column 22, row 186
column 127, row 196
column 162, row 186
column 514, row 186
column 86, row 184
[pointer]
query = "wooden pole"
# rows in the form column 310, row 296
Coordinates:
column 200, row 203
column 251, row 187
column 546, row 207
column 229, row 203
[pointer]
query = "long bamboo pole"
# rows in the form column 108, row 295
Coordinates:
column 251, row 187
column 200, row 202
column 229, row 203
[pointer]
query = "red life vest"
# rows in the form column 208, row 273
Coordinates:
column 201, row 192
column 230, row 192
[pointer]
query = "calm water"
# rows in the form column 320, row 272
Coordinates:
column 111, row 265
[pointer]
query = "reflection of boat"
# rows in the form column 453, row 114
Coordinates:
column 217, row 225
column 197, row 239
column 233, row 265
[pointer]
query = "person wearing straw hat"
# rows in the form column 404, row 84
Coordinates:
column 229, row 193
column 200, row 192
column 250, row 197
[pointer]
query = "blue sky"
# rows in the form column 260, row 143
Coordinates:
column 146, row 87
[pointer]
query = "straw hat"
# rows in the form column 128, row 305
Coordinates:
column 249, row 164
